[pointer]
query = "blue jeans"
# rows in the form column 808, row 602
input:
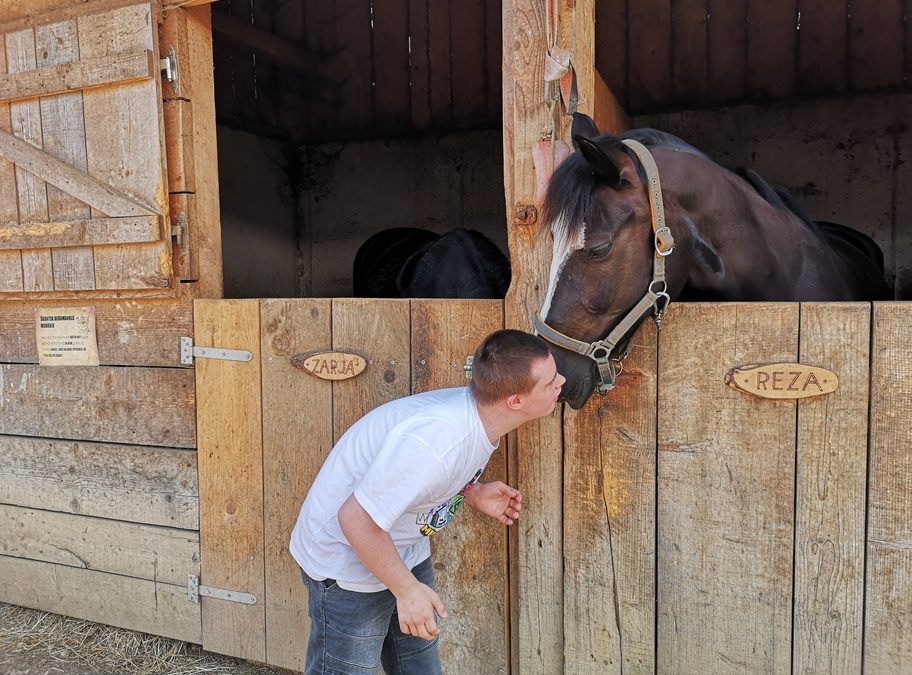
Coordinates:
column 353, row 633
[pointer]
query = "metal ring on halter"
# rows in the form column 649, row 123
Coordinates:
column 665, row 299
column 664, row 241
column 664, row 290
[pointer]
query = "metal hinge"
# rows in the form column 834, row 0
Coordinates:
column 195, row 589
column 168, row 67
column 189, row 352
column 468, row 367
column 179, row 231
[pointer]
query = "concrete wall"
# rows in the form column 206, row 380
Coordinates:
column 292, row 229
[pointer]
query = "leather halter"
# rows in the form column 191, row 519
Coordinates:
column 656, row 297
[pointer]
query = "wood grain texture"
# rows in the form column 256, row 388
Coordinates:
column 140, row 406
column 10, row 261
column 888, row 597
column 830, row 492
column 153, row 486
column 126, row 602
column 609, row 522
column 297, row 436
column 470, row 558
column 79, row 233
column 129, row 549
column 377, row 330
column 725, row 492
column 229, row 422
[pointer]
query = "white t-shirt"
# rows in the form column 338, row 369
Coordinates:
column 408, row 463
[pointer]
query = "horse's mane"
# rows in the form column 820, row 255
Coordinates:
column 570, row 204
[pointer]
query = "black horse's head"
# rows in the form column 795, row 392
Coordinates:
column 598, row 207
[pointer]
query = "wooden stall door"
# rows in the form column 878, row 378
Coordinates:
column 264, row 429
column 83, row 203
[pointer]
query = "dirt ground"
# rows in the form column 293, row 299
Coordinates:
column 38, row 643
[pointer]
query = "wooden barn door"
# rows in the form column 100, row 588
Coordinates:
column 83, row 203
column 264, row 428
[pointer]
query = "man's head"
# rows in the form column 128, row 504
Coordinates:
column 507, row 362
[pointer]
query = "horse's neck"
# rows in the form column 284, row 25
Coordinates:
column 741, row 246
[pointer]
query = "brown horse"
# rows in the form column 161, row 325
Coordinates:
column 629, row 238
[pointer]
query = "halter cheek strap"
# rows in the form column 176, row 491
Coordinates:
column 656, row 297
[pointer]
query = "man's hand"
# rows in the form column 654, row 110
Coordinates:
column 496, row 499
column 416, row 605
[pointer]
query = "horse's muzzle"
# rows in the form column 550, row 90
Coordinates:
column 581, row 374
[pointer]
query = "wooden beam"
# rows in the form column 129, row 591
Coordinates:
column 81, row 232
column 77, row 75
column 264, row 44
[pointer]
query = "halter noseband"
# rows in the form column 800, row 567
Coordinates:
column 656, row 297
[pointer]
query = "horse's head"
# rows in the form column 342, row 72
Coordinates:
column 598, row 207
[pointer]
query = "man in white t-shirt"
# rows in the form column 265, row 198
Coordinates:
column 394, row 479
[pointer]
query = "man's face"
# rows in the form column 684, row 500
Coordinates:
column 542, row 398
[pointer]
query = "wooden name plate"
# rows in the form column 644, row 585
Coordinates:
column 782, row 380
column 330, row 365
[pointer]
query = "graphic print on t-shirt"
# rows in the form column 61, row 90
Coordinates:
column 438, row 517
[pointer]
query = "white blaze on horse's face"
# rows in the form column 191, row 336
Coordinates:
column 563, row 247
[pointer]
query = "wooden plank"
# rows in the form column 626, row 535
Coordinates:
column 391, row 52
column 377, row 330
column 609, row 529
column 15, row 14
column 296, row 440
column 901, row 237
column 129, row 162
column 606, row 111
column 135, row 604
column 611, row 53
column 725, row 492
column 830, row 489
column 471, row 579
column 351, row 70
column 419, row 65
column 37, row 267
column 649, row 33
column 63, row 138
column 467, row 60
column 888, row 597
column 690, row 51
column 85, row 74
column 82, row 232
column 772, row 38
column 494, row 61
column 876, row 45
column 143, row 406
column 179, row 145
column 10, row 261
column 92, row 191
column 155, row 486
column 440, row 67
column 131, row 549
column 206, row 231
column 229, row 423
column 535, row 451
column 129, row 332
column 822, row 47
column 237, row 30
column 727, row 50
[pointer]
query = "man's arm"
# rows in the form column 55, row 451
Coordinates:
column 415, row 601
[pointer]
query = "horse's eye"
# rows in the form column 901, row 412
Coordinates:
column 600, row 250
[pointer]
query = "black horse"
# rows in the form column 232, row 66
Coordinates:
column 408, row 262
column 644, row 219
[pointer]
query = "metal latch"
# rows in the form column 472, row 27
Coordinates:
column 195, row 589
column 168, row 67
column 468, row 367
column 189, row 352
column 179, row 232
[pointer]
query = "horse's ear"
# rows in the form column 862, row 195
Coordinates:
column 584, row 126
column 603, row 165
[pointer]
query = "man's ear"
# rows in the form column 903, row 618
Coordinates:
column 514, row 402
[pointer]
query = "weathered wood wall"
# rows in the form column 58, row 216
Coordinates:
column 674, row 54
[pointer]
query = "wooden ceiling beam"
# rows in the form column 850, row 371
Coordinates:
column 264, row 44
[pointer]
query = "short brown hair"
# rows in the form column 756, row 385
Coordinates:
column 502, row 365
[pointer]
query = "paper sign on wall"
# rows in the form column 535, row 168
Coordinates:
column 66, row 336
